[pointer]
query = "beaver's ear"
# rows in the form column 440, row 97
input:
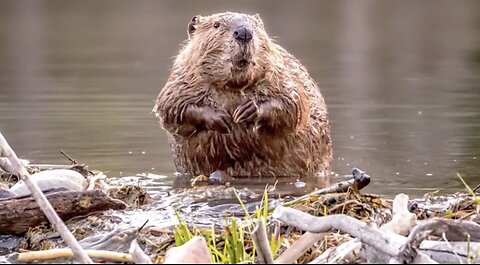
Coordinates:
column 192, row 25
column 258, row 19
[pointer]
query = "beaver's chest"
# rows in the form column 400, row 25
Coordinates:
column 228, row 101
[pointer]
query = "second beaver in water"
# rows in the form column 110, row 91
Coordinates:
column 236, row 101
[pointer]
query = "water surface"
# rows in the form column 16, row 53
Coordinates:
column 401, row 81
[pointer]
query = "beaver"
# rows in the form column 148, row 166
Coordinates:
column 238, row 102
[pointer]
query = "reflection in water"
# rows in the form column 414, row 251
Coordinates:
column 401, row 80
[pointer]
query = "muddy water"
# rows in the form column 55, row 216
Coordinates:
column 401, row 80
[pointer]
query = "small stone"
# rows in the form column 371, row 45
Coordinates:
column 300, row 184
column 219, row 177
column 92, row 218
column 412, row 207
column 331, row 200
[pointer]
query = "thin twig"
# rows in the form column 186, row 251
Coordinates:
column 476, row 188
column 144, row 224
column 50, row 166
column 73, row 161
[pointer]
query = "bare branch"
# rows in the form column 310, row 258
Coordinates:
column 295, row 251
column 260, row 239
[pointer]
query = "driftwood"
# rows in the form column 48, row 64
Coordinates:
column 366, row 233
column 18, row 215
column 43, row 255
column 260, row 239
column 401, row 223
column 45, row 206
column 359, row 181
column 384, row 246
column 138, row 256
column 344, row 253
column 402, row 220
column 454, row 230
column 451, row 252
column 295, row 251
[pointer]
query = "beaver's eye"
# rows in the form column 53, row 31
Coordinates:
column 216, row 24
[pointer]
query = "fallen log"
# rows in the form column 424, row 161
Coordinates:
column 17, row 215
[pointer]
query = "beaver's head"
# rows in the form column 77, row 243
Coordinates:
column 227, row 49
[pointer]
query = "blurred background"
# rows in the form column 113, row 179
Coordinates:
column 401, row 80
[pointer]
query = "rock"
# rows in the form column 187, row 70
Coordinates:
column 219, row 177
column 5, row 193
column 51, row 179
column 195, row 251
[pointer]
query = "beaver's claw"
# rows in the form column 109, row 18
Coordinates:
column 247, row 112
column 217, row 121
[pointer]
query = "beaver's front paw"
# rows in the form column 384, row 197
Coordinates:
column 247, row 112
column 217, row 121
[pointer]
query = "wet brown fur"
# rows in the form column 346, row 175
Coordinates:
column 290, row 135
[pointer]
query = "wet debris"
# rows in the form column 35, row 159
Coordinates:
column 336, row 224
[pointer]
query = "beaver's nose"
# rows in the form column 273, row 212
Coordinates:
column 243, row 34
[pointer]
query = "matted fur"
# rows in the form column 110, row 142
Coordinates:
column 290, row 136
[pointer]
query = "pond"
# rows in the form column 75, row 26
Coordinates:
column 401, row 81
